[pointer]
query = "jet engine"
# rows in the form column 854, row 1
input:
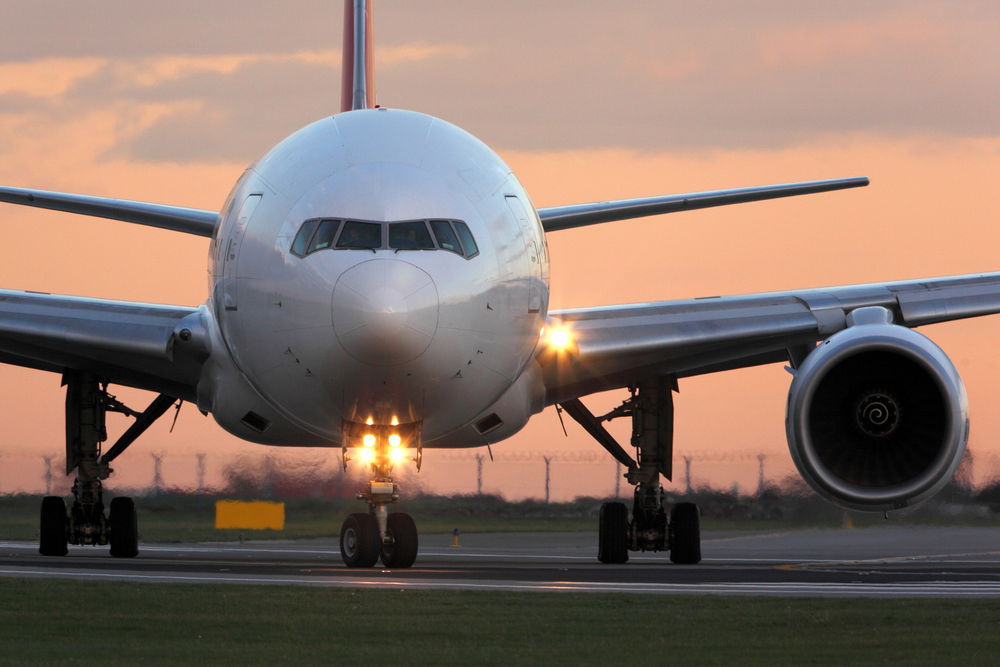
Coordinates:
column 877, row 415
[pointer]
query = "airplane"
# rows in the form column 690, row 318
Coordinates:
column 379, row 284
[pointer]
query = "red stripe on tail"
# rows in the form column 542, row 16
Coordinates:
column 352, row 96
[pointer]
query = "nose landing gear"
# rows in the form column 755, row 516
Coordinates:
column 391, row 536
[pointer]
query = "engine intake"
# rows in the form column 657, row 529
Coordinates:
column 877, row 416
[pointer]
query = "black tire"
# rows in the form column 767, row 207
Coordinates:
column 124, row 528
column 360, row 542
column 402, row 552
column 685, row 534
column 612, row 537
column 53, row 527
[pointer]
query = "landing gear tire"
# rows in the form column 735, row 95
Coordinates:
column 360, row 542
column 402, row 550
column 53, row 527
column 124, row 528
column 685, row 534
column 612, row 539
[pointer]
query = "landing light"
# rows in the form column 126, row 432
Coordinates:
column 367, row 455
column 396, row 455
column 370, row 421
column 395, row 440
column 560, row 339
column 368, row 440
column 395, row 421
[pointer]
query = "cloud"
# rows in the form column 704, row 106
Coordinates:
column 552, row 76
column 48, row 77
column 203, row 107
column 154, row 71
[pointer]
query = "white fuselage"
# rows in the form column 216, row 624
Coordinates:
column 307, row 345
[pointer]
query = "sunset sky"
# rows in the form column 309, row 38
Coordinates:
column 586, row 100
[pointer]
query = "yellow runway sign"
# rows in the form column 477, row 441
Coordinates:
column 255, row 515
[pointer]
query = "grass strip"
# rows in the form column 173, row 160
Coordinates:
column 62, row 621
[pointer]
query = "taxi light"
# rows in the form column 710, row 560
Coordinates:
column 369, row 440
column 395, row 440
column 367, row 455
column 396, row 455
column 394, row 422
column 370, row 421
column 560, row 339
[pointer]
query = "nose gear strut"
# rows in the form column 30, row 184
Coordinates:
column 391, row 536
column 651, row 409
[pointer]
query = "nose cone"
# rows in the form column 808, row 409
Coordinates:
column 385, row 311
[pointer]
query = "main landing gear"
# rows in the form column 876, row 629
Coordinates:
column 392, row 536
column 87, row 403
column 651, row 409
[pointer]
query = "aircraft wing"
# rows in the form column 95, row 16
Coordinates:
column 175, row 218
column 615, row 346
column 579, row 215
column 155, row 347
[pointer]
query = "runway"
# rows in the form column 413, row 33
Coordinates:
column 884, row 562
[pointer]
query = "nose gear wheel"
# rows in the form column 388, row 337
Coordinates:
column 400, row 547
column 359, row 540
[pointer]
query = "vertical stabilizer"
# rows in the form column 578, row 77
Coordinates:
column 357, row 78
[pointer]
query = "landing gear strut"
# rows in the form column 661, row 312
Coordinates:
column 391, row 536
column 651, row 410
column 87, row 404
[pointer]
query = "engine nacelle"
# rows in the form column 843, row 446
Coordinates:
column 877, row 415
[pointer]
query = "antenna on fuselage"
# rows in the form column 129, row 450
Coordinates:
column 357, row 76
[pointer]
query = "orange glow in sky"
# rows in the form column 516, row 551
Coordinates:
column 168, row 104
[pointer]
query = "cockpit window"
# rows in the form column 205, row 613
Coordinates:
column 445, row 236
column 302, row 238
column 468, row 243
column 367, row 235
column 410, row 236
column 324, row 235
column 320, row 234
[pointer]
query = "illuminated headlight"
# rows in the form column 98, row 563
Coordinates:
column 397, row 455
column 369, row 440
column 367, row 455
column 395, row 440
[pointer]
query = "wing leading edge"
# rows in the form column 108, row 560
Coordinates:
column 149, row 346
column 614, row 346
column 580, row 215
column 175, row 218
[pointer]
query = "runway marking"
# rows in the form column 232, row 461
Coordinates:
column 646, row 559
column 752, row 536
column 927, row 589
column 434, row 554
column 182, row 549
column 285, row 562
column 885, row 560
